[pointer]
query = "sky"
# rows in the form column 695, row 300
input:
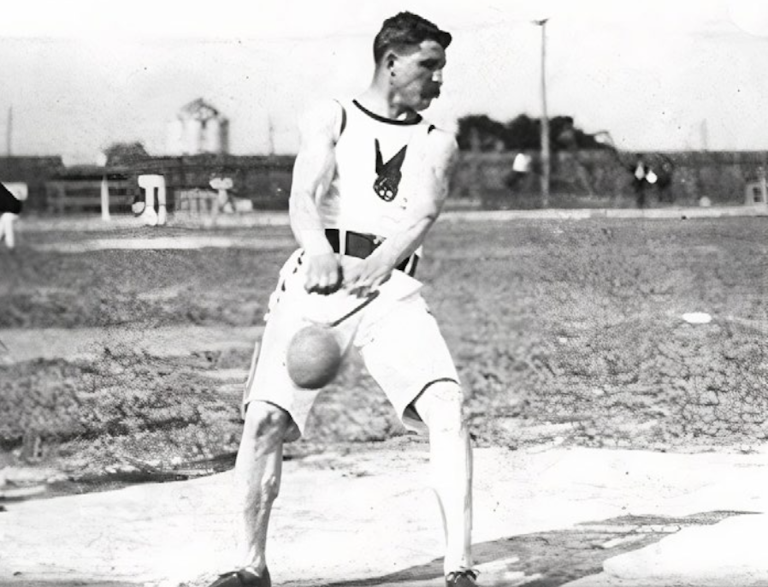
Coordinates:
column 657, row 74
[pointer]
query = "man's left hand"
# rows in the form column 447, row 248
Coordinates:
column 367, row 276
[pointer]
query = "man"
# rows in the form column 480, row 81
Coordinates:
column 369, row 181
column 10, row 208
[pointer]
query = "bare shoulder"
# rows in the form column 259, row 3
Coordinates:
column 443, row 139
column 321, row 118
column 441, row 148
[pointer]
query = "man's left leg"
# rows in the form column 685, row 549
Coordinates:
column 440, row 405
column 405, row 353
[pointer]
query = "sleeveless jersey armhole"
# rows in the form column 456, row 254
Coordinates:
column 342, row 121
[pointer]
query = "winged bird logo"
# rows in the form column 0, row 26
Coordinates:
column 388, row 174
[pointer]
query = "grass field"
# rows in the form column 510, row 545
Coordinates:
column 565, row 331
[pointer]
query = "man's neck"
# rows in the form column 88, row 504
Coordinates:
column 380, row 102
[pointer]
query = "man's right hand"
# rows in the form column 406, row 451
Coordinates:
column 324, row 274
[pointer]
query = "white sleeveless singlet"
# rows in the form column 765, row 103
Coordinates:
column 377, row 171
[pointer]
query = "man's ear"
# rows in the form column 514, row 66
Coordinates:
column 390, row 58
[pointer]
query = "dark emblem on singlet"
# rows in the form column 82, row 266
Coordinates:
column 388, row 174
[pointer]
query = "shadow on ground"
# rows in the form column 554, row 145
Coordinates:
column 554, row 558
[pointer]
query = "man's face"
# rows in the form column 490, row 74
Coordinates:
column 418, row 74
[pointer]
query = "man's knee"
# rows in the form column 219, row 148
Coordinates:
column 265, row 422
column 263, row 434
column 441, row 406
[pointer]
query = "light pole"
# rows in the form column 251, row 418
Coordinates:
column 545, row 157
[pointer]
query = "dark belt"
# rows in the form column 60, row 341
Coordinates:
column 357, row 244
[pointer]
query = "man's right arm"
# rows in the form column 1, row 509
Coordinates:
column 312, row 174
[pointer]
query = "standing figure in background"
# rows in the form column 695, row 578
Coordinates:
column 522, row 165
column 639, row 179
column 10, row 208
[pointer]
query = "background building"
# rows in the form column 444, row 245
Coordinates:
column 198, row 128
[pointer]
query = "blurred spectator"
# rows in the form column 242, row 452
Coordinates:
column 655, row 173
column 10, row 208
column 639, row 173
column 521, row 166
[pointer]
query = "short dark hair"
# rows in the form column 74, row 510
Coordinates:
column 407, row 28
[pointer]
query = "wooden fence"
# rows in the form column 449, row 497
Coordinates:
column 83, row 194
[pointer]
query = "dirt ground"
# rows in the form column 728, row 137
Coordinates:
column 568, row 332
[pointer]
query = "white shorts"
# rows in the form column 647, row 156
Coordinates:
column 396, row 335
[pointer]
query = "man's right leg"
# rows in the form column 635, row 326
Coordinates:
column 257, row 482
column 267, row 426
column 257, row 476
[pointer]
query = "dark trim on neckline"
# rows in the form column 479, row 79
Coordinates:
column 375, row 116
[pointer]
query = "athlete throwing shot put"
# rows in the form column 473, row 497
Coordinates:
column 369, row 181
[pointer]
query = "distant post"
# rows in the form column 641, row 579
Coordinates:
column 105, row 198
column 545, row 156
column 101, row 161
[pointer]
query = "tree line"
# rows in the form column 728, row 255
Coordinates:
column 479, row 132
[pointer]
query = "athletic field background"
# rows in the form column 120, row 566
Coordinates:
column 564, row 331
column 582, row 179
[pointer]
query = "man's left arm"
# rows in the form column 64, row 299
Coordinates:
column 440, row 157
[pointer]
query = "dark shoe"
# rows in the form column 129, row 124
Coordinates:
column 243, row 578
column 463, row 578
